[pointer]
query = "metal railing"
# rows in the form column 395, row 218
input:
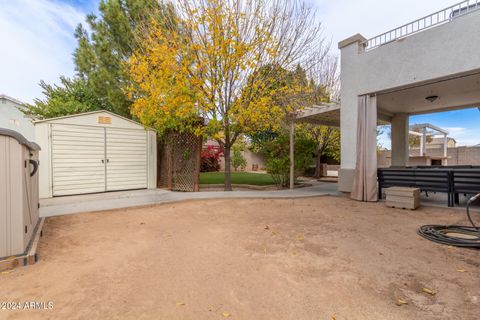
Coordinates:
column 432, row 20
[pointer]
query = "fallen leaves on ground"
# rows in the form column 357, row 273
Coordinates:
column 180, row 304
column 301, row 237
column 266, row 227
column 7, row 271
column 226, row 314
column 401, row 302
column 461, row 270
column 429, row 291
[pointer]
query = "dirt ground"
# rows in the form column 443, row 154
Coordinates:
column 316, row 258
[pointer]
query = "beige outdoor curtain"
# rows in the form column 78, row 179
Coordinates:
column 365, row 179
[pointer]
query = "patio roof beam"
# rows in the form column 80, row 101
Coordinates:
column 319, row 122
column 431, row 126
column 317, row 109
column 414, row 133
column 384, row 117
column 326, row 114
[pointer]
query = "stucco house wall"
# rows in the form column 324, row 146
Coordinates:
column 11, row 117
column 253, row 159
column 440, row 52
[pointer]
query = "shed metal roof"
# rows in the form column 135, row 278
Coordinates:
column 92, row 112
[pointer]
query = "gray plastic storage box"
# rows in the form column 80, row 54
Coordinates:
column 18, row 192
column 402, row 197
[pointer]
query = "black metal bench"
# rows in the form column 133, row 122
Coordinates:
column 387, row 178
column 428, row 180
column 466, row 181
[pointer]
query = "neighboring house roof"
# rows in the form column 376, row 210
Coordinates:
column 16, row 101
column 440, row 140
column 13, row 117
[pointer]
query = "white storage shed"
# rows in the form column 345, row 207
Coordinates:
column 18, row 192
column 95, row 152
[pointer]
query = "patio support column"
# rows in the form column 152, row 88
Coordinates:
column 423, row 142
column 292, row 154
column 445, row 145
column 445, row 150
column 421, row 145
column 400, row 140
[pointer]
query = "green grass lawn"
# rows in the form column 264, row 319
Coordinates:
column 258, row 179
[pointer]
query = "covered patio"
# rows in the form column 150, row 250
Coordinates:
column 396, row 105
column 419, row 68
column 325, row 114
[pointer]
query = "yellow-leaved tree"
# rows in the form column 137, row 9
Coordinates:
column 217, row 61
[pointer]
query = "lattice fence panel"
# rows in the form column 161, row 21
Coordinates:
column 179, row 167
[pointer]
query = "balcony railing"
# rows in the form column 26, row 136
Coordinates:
column 427, row 22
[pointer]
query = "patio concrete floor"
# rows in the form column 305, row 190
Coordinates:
column 124, row 199
column 303, row 258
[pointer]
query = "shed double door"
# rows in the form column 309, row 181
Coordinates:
column 88, row 159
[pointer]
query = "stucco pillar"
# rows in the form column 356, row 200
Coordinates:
column 445, row 145
column 400, row 139
column 423, row 142
column 350, row 77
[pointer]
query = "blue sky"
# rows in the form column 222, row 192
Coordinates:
column 462, row 125
column 38, row 42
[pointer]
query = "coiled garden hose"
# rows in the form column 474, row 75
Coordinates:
column 459, row 236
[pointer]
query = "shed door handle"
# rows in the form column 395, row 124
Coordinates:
column 35, row 167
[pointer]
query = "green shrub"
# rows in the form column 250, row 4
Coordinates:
column 238, row 160
column 277, row 156
column 279, row 169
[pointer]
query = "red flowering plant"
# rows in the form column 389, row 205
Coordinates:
column 210, row 158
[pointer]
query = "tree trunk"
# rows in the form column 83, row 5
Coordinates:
column 318, row 161
column 228, row 176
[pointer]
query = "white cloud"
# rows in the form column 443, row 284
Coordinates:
column 38, row 43
column 464, row 136
column 38, row 40
column 344, row 18
column 455, row 130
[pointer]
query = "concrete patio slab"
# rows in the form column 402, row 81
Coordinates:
column 125, row 199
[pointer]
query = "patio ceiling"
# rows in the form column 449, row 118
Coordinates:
column 325, row 114
column 458, row 92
